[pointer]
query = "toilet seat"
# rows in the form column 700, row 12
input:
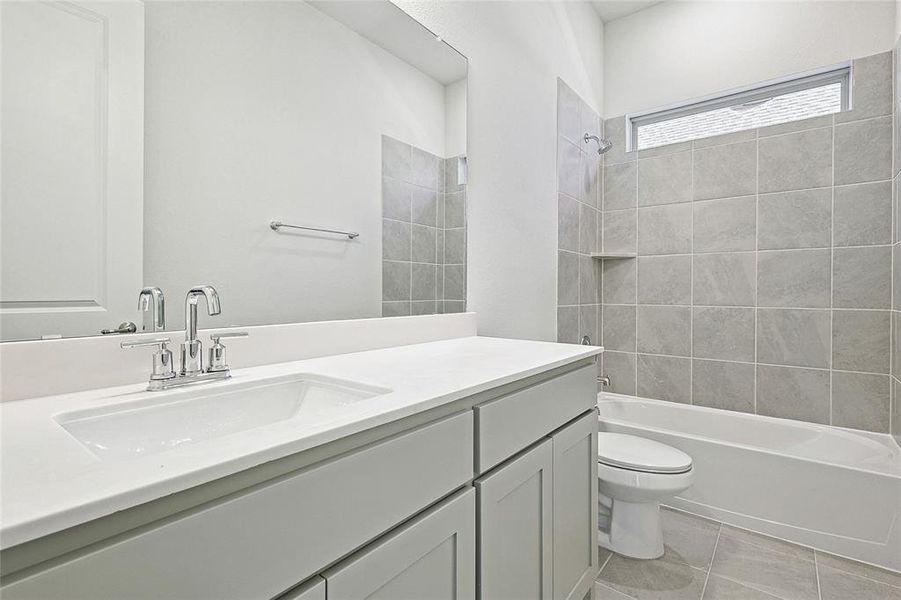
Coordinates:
column 639, row 454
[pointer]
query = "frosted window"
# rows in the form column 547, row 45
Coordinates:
column 693, row 122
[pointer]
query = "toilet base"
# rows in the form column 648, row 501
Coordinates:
column 635, row 529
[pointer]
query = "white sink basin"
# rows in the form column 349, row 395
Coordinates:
column 164, row 420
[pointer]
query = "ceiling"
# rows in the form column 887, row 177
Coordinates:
column 610, row 10
column 388, row 26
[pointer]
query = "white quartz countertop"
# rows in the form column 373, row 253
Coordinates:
column 49, row 481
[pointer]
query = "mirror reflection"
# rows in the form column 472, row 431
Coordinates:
column 307, row 160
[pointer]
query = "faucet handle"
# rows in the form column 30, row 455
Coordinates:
column 160, row 342
column 162, row 358
column 217, row 350
column 227, row 334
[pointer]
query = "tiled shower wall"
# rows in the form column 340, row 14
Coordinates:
column 896, row 264
column 579, row 219
column 423, row 232
column 763, row 277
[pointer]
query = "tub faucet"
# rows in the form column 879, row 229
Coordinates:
column 604, row 380
column 191, row 348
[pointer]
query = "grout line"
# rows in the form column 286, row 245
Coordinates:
column 741, row 306
column 606, row 560
column 892, row 321
column 756, row 265
column 816, row 570
column 691, row 287
column 712, row 557
column 746, row 362
column 637, row 246
column 760, row 251
column 831, row 287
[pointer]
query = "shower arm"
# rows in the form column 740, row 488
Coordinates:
column 603, row 145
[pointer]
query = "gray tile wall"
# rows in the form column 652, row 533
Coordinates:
column 423, row 232
column 895, row 426
column 579, row 219
column 763, row 281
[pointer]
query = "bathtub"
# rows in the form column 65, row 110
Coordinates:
column 834, row 489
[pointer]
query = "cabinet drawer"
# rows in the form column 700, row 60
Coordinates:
column 509, row 424
column 433, row 556
column 265, row 541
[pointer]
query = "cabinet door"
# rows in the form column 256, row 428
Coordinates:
column 430, row 558
column 575, row 507
column 515, row 518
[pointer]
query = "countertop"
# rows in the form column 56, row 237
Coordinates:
column 49, row 481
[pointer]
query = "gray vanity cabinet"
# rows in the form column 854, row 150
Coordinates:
column 433, row 556
column 493, row 499
column 537, row 497
column 575, row 509
column 515, row 528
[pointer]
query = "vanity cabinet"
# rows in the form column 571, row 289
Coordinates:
column 263, row 542
column 433, row 556
column 494, row 497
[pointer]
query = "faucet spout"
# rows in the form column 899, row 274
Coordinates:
column 191, row 350
column 208, row 293
column 152, row 299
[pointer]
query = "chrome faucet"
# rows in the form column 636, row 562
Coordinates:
column 192, row 371
column 152, row 301
column 191, row 348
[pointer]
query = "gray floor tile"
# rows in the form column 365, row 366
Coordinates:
column 719, row 588
column 653, row 579
column 840, row 585
column 602, row 592
column 767, row 542
column 857, row 568
column 688, row 538
column 756, row 566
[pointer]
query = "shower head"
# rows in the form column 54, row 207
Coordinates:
column 603, row 144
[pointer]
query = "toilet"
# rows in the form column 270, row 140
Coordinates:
column 634, row 475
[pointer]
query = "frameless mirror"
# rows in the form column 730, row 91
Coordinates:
column 306, row 159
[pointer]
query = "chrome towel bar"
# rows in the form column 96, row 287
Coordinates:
column 276, row 225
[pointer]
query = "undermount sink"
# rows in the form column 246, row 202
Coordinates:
column 166, row 420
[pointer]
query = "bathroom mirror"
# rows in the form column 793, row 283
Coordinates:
column 306, row 159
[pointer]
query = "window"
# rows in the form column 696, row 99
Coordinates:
column 811, row 95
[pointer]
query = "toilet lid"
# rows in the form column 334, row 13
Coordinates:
column 640, row 454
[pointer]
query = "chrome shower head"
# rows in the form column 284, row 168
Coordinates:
column 603, row 144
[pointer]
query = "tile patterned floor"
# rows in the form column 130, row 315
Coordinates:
column 710, row 561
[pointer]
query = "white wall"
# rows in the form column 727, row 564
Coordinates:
column 897, row 19
column 677, row 51
column 516, row 51
column 455, row 119
column 260, row 111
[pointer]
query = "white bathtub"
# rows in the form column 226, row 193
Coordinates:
column 830, row 488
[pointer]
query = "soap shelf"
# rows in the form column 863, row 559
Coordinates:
column 612, row 255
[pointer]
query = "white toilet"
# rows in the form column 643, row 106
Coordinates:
column 634, row 475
